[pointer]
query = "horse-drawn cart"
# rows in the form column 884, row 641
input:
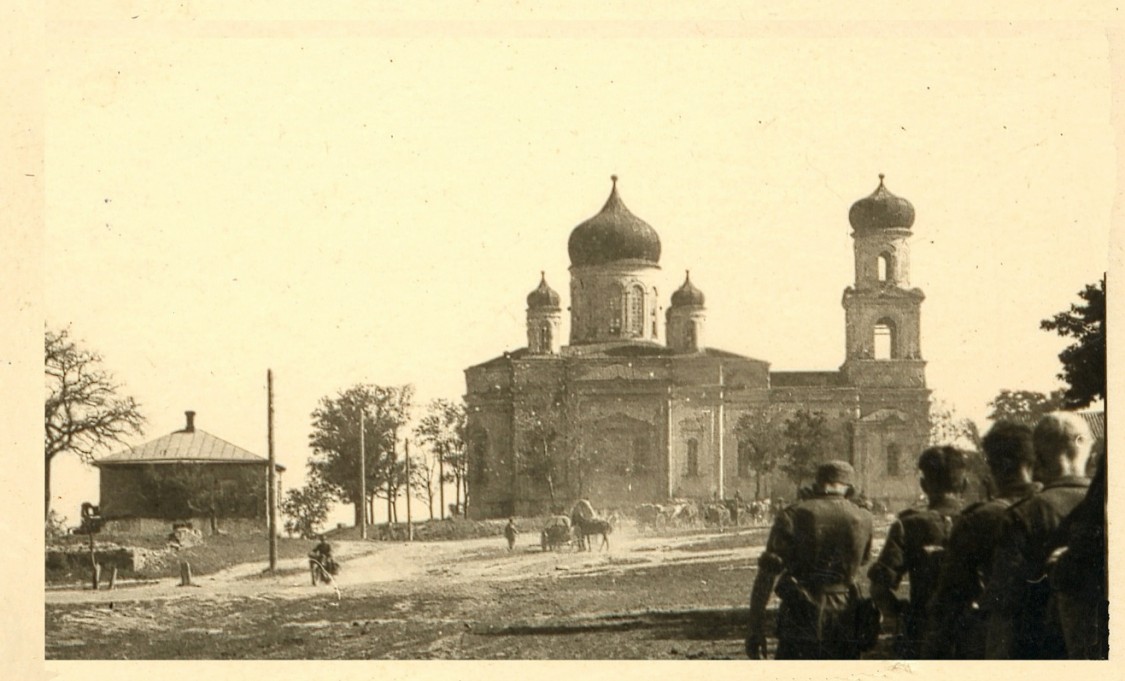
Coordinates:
column 556, row 533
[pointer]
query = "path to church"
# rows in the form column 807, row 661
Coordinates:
column 649, row 597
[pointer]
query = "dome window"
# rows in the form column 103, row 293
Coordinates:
column 635, row 310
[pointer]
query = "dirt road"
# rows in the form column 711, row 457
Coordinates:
column 648, row 597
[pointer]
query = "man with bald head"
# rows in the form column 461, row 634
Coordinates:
column 1021, row 626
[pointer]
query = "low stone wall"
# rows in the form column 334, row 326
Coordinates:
column 77, row 558
column 161, row 527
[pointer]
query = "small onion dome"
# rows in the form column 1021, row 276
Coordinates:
column 687, row 295
column 543, row 295
column 881, row 210
column 613, row 234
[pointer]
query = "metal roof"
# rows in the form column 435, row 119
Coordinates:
column 1094, row 419
column 185, row 446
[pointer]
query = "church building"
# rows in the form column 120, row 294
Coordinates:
column 622, row 414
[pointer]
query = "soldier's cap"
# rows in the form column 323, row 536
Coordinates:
column 836, row 471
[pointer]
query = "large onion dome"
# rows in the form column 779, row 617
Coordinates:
column 543, row 296
column 881, row 210
column 687, row 295
column 613, row 234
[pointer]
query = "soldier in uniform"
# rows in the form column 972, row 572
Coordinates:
column 1079, row 575
column 956, row 627
column 813, row 554
column 1019, row 625
column 915, row 544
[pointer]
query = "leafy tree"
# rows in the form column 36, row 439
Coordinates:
column 1084, row 367
column 761, row 443
column 540, row 458
column 947, row 427
column 305, row 509
column 1024, row 406
column 393, row 487
column 811, row 438
column 83, row 411
column 335, row 441
column 442, row 429
column 556, row 451
column 399, row 405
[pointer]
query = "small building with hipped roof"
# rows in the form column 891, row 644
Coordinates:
column 188, row 476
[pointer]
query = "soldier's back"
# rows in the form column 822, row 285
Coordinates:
column 832, row 538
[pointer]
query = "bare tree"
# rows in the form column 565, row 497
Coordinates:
column 83, row 411
column 424, row 478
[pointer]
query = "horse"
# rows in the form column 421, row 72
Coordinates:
column 585, row 522
column 591, row 527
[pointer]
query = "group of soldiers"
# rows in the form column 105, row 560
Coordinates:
column 1019, row 576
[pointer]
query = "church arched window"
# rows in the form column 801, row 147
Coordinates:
column 894, row 456
column 693, row 458
column 745, row 459
column 640, row 456
column 635, row 310
column 545, row 338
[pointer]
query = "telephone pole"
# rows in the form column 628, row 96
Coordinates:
column 409, row 524
column 362, row 474
column 271, row 477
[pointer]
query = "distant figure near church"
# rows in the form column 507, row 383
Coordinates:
column 637, row 408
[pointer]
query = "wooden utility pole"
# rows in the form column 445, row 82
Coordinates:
column 271, row 493
column 722, row 428
column 409, row 524
column 363, row 474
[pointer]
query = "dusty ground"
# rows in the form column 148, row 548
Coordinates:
column 648, row 597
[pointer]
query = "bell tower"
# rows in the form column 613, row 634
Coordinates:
column 882, row 312
column 686, row 317
column 544, row 318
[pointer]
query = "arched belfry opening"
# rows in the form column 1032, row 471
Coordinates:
column 884, row 268
column 884, row 341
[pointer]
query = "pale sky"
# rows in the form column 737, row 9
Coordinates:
column 372, row 202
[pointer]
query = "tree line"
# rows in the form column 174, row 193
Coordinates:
column 385, row 412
